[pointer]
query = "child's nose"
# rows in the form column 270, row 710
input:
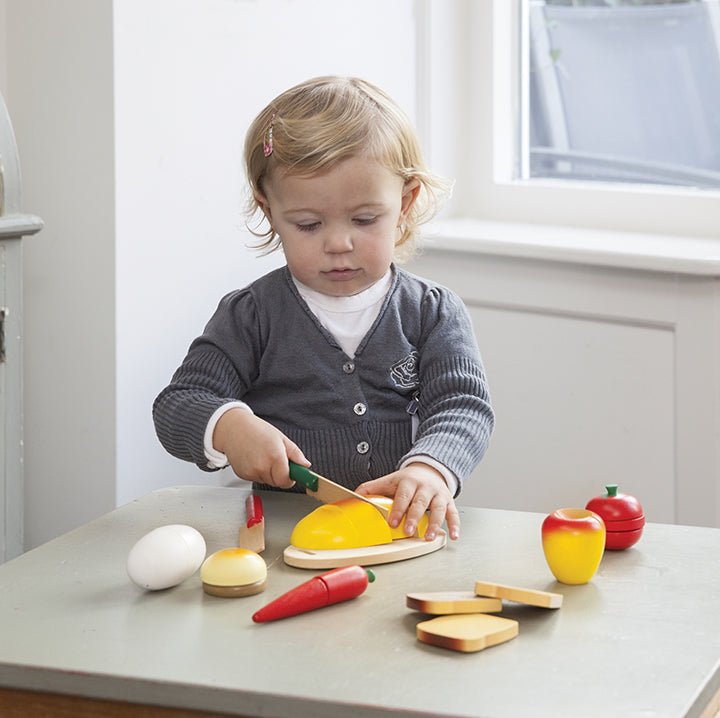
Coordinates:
column 339, row 240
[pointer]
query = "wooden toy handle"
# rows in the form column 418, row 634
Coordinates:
column 303, row 476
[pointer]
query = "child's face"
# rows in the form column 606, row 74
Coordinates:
column 338, row 229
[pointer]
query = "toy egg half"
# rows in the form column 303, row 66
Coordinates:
column 234, row 572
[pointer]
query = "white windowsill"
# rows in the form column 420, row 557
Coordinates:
column 627, row 250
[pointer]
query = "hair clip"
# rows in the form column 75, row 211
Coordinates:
column 268, row 144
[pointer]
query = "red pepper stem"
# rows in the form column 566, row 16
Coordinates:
column 611, row 489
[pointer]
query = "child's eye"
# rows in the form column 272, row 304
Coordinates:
column 365, row 220
column 308, row 227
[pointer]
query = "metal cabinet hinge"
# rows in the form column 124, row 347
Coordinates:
column 3, row 313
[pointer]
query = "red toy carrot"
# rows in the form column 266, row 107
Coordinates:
column 340, row 584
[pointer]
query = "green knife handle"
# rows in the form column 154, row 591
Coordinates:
column 303, row 476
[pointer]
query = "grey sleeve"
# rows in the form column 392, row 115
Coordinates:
column 218, row 368
column 455, row 411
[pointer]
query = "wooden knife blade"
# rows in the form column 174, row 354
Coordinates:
column 328, row 491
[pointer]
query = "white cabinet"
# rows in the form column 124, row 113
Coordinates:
column 603, row 356
column 13, row 226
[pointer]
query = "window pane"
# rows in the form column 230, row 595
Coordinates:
column 623, row 91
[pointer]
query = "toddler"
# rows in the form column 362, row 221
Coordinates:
column 339, row 360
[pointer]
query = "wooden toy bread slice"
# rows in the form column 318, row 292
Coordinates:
column 467, row 632
column 543, row 599
column 443, row 602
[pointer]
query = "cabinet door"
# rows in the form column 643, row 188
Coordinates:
column 3, row 409
column 11, row 490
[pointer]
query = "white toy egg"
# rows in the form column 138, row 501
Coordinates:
column 166, row 556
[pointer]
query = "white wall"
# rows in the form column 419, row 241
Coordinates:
column 184, row 97
column 130, row 119
column 3, row 64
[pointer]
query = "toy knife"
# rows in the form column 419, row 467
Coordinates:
column 328, row 491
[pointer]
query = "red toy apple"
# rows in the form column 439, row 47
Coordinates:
column 623, row 517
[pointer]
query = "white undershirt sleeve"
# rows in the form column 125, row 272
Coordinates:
column 216, row 459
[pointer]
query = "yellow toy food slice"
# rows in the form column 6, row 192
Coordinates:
column 349, row 523
column 342, row 524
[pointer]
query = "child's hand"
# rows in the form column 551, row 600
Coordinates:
column 414, row 489
column 255, row 449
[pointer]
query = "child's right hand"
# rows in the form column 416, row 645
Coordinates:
column 255, row 449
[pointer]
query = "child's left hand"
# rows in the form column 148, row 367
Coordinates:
column 414, row 489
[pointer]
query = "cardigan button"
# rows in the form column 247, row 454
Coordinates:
column 348, row 367
column 363, row 447
column 359, row 409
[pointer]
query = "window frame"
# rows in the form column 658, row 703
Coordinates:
column 470, row 69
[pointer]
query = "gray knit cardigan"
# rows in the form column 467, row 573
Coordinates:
column 351, row 416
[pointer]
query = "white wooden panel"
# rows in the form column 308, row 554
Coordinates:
column 599, row 374
column 580, row 403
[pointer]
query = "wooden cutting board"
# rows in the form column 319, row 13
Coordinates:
column 397, row 550
column 467, row 632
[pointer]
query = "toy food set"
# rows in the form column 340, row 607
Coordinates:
column 470, row 629
column 623, row 516
column 340, row 584
column 347, row 533
column 573, row 541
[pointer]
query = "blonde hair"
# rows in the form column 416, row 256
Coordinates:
column 323, row 121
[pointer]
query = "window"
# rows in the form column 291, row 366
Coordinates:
column 477, row 127
column 623, row 91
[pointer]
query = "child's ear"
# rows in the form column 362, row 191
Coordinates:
column 263, row 203
column 409, row 195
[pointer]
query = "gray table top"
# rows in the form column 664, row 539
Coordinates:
column 642, row 638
